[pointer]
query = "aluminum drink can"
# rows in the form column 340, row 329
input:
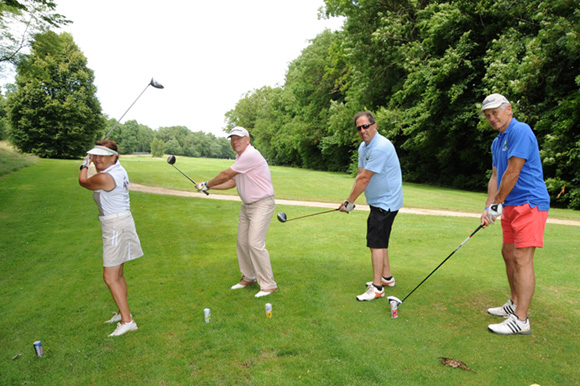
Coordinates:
column 394, row 310
column 268, row 310
column 206, row 315
column 38, row 348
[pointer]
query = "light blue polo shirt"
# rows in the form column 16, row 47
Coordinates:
column 518, row 140
column 385, row 189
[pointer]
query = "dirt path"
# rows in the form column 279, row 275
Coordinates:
column 428, row 212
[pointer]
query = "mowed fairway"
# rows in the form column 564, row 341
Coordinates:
column 51, row 289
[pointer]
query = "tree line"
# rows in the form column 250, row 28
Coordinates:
column 52, row 111
column 133, row 137
column 421, row 66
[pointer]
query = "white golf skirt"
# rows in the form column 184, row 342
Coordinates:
column 120, row 240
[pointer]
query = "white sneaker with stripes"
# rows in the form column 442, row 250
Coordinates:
column 511, row 326
column 504, row 311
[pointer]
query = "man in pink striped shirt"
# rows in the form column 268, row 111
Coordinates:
column 250, row 174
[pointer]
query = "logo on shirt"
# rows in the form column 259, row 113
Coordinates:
column 505, row 146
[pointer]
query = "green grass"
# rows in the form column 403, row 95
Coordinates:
column 11, row 161
column 51, row 289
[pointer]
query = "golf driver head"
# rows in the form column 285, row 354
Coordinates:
column 394, row 299
column 171, row 160
column 155, row 83
column 282, row 217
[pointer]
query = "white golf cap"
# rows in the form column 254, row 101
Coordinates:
column 493, row 101
column 102, row 150
column 239, row 131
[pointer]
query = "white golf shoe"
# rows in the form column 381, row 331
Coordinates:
column 504, row 311
column 371, row 294
column 123, row 328
column 116, row 318
column 243, row 284
column 511, row 326
column 267, row 292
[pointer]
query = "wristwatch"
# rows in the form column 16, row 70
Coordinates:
column 83, row 167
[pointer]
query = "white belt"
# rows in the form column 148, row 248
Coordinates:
column 115, row 215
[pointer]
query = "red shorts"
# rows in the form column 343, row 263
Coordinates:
column 523, row 226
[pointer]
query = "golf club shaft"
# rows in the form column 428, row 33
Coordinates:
column 186, row 176
column 120, row 119
column 313, row 214
column 460, row 245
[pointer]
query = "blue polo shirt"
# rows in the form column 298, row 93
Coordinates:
column 385, row 189
column 519, row 141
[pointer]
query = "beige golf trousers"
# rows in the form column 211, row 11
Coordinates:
column 253, row 257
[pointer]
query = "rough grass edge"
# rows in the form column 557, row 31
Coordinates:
column 11, row 160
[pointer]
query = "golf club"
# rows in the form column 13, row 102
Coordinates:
column 282, row 216
column 171, row 161
column 398, row 301
column 153, row 83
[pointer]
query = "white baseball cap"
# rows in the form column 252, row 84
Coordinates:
column 493, row 101
column 102, row 150
column 239, row 131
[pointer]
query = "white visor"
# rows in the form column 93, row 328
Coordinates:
column 102, row 150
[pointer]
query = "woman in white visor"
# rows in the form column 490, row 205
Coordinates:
column 120, row 240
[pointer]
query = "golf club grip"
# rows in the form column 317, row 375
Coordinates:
column 475, row 231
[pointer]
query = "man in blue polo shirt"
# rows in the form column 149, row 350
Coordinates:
column 379, row 177
column 517, row 192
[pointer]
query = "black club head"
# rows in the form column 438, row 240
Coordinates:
column 155, row 83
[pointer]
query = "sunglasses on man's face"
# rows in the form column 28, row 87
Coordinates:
column 365, row 126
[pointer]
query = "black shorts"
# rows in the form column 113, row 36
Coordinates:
column 379, row 226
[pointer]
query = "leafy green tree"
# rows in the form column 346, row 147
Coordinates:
column 373, row 62
column 53, row 111
column 179, row 140
column 172, row 147
column 538, row 66
column 225, row 149
column 271, row 134
column 3, row 119
column 314, row 86
column 412, row 64
column 192, row 146
column 132, row 137
column 253, row 112
column 424, row 66
column 157, row 147
column 179, row 133
column 144, row 138
column 20, row 21
column 290, row 124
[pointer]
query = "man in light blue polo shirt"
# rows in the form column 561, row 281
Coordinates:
column 379, row 177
